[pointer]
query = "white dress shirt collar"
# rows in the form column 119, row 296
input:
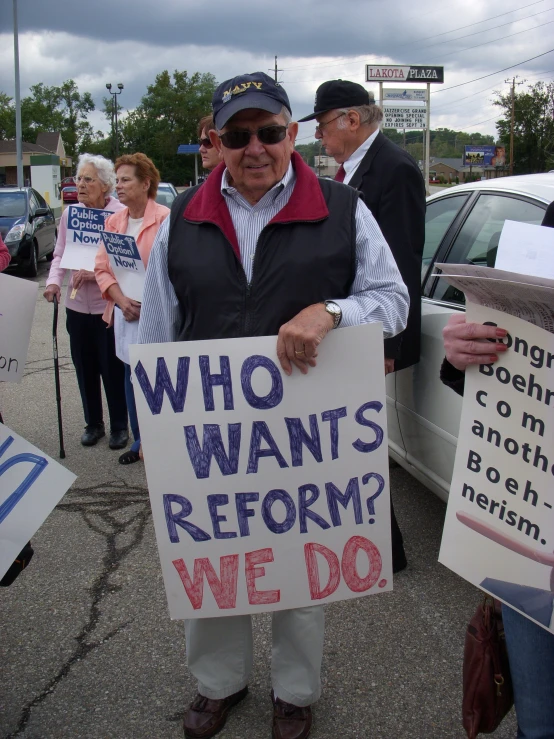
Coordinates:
column 353, row 162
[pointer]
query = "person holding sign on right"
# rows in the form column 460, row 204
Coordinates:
column 137, row 182
column 530, row 647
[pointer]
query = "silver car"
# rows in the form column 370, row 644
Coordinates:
column 463, row 226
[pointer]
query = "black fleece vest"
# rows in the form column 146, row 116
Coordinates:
column 296, row 264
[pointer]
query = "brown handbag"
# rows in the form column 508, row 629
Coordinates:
column 488, row 693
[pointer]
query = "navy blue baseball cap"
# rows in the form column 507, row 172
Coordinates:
column 338, row 94
column 256, row 90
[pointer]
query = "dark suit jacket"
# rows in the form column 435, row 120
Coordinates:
column 393, row 189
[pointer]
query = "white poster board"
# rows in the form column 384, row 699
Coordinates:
column 499, row 526
column 31, row 485
column 126, row 263
column 268, row 492
column 84, row 226
column 18, row 299
column 526, row 249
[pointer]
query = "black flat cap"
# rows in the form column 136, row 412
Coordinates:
column 338, row 94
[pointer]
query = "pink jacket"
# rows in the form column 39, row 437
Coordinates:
column 154, row 215
column 88, row 298
column 5, row 256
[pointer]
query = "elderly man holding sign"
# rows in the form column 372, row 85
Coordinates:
column 264, row 248
column 137, row 182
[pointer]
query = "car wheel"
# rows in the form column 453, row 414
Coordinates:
column 32, row 266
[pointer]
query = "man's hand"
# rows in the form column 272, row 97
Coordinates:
column 299, row 338
column 389, row 366
column 465, row 343
column 51, row 292
column 130, row 308
column 82, row 276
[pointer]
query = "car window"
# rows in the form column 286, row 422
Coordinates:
column 477, row 241
column 33, row 203
column 438, row 217
column 12, row 204
column 41, row 201
column 165, row 197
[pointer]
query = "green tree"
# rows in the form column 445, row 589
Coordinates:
column 166, row 117
column 7, row 117
column 533, row 127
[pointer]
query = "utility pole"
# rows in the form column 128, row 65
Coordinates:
column 115, row 129
column 512, row 120
column 275, row 70
column 18, row 132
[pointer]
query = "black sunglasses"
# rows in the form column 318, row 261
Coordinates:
column 206, row 143
column 267, row 135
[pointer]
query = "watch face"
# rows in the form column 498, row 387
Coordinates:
column 333, row 308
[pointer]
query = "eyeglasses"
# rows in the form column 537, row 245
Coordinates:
column 86, row 180
column 267, row 135
column 206, row 143
column 321, row 126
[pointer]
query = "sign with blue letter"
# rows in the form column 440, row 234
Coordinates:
column 126, row 262
column 18, row 299
column 268, row 492
column 84, row 226
column 31, row 485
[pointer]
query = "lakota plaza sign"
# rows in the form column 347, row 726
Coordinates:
column 403, row 74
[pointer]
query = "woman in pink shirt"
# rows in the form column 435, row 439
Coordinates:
column 137, row 184
column 92, row 344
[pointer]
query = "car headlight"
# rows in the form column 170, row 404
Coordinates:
column 15, row 234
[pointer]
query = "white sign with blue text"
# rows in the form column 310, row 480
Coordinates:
column 18, row 299
column 31, row 485
column 84, row 226
column 268, row 491
column 127, row 265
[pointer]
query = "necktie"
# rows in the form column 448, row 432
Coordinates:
column 341, row 174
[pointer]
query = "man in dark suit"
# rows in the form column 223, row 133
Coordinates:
column 392, row 187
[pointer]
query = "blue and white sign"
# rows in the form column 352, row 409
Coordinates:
column 404, row 94
column 84, row 226
column 31, row 485
column 126, row 262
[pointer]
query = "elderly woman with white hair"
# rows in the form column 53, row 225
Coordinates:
column 92, row 344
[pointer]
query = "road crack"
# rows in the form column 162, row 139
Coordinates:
column 104, row 501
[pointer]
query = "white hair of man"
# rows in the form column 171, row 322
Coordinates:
column 104, row 168
column 369, row 114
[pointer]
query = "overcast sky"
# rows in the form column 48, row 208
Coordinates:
column 130, row 41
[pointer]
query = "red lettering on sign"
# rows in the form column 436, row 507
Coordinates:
column 224, row 587
column 313, row 570
column 349, row 571
column 256, row 597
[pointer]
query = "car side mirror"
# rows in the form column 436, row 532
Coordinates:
column 41, row 212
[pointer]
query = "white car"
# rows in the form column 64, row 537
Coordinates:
column 463, row 225
column 166, row 194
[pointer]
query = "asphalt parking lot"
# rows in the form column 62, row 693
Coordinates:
column 87, row 650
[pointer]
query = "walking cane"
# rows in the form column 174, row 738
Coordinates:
column 57, row 375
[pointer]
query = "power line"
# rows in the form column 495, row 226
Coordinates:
column 512, row 66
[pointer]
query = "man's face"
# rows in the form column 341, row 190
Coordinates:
column 257, row 167
column 335, row 140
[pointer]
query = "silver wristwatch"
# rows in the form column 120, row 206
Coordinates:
column 335, row 311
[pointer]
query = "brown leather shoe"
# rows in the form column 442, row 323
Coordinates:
column 206, row 717
column 290, row 722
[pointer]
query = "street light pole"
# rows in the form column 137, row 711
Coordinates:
column 115, row 129
column 18, row 132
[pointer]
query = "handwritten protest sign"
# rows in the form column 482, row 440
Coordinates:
column 18, row 299
column 84, row 226
column 126, row 263
column 268, row 492
column 499, row 527
column 31, row 484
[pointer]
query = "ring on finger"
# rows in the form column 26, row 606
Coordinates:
column 299, row 354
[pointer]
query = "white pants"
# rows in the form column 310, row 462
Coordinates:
column 220, row 654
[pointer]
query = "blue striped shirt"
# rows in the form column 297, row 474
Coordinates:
column 377, row 293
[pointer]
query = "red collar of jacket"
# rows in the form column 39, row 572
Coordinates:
column 305, row 204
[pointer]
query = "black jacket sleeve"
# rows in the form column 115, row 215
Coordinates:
column 548, row 219
column 452, row 377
